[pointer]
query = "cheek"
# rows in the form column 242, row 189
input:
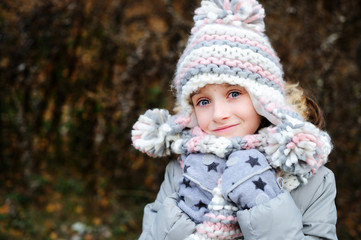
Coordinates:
column 202, row 119
column 250, row 115
column 252, row 122
column 255, row 119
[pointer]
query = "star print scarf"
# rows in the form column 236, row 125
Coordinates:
column 201, row 193
column 197, row 193
column 200, row 177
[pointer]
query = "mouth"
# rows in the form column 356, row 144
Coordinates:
column 224, row 128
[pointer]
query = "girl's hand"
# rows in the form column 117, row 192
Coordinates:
column 200, row 177
column 248, row 179
column 204, row 169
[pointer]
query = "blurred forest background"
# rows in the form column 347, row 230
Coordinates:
column 76, row 74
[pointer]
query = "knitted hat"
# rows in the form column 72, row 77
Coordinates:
column 228, row 46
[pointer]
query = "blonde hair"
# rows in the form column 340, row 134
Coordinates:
column 304, row 104
column 296, row 99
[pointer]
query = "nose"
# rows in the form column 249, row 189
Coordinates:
column 220, row 112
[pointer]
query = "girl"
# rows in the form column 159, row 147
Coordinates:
column 251, row 165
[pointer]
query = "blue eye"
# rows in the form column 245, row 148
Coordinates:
column 234, row 94
column 203, row 102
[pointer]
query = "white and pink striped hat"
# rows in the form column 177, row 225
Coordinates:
column 228, row 45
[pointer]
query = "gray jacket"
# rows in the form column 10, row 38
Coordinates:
column 308, row 212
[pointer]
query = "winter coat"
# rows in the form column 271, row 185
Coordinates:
column 308, row 212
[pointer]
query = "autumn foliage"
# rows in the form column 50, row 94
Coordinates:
column 75, row 75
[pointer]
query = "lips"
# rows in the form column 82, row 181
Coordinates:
column 224, row 128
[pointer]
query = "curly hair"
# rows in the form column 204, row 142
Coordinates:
column 307, row 107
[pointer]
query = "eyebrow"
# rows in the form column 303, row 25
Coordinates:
column 193, row 94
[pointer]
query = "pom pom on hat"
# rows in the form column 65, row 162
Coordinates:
column 301, row 149
column 158, row 134
column 246, row 13
column 151, row 134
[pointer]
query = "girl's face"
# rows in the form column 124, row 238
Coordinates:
column 225, row 110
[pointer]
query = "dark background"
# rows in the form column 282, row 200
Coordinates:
column 76, row 74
